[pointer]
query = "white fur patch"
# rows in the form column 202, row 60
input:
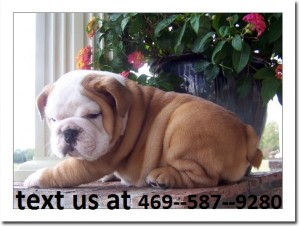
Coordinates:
column 68, row 90
column 67, row 108
column 80, row 74
column 34, row 179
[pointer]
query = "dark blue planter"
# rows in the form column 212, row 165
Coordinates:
column 221, row 90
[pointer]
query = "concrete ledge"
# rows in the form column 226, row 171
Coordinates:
column 258, row 190
column 275, row 165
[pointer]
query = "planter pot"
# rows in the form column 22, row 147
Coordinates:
column 221, row 90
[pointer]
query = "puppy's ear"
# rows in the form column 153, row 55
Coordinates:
column 112, row 89
column 41, row 100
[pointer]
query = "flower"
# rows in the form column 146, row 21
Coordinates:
column 125, row 74
column 83, row 58
column 278, row 72
column 137, row 59
column 92, row 27
column 256, row 22
column 224, row 42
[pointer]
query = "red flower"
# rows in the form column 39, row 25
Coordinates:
column 125, row 74
column 137, row 59
column 83, row 58
column 278, row 72
column 257, row 22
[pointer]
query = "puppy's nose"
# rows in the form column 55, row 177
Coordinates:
column 70, row 136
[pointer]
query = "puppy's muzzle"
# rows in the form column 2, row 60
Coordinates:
column 70, row 136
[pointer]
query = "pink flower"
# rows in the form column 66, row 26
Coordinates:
column 278, row 72
column 125, row 74
column 83, row 58
column 257, row 22
column 137, row 59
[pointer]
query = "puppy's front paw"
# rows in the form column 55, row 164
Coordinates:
column 34, row 180
column 164, row 177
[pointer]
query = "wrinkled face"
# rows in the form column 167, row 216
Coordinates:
column 76, row 121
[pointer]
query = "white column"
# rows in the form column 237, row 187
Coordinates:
column 59, row 37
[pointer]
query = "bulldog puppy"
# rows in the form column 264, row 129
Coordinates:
column 109, row 124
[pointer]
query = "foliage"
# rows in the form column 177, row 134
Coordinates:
column 21, row 156
column 270, row 139
column 228, row 43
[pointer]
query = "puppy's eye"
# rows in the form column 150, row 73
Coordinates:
column 92, row 116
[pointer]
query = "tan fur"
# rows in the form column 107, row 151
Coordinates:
column 171, row 140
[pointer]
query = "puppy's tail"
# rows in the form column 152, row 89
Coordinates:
column 254, row 155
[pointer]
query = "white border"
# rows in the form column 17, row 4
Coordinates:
column 6, row 71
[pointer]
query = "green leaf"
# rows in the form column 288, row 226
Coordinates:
column 216, row 21
column 163, row 24
column 269, row 89
column 275, row 31
column 264, row 73
column 119, row 48
column 152, row 81
column 132, row 76
column 124, row 22
column 142, row 79
column 237, row 43
column 179, row 49
column 243, row 87
column 114, row 16
column 204, row 24
column 195, row 22
column 235, row 19
column 164, row 85
column 136, row 25
column 201, row 43
column 218, row 54
column 201, row 65
column 224, row 31
column 179, row 38
column 227, row 31
column 211, row 72
column 117, row 62
column 164, row 43
column 241, row 58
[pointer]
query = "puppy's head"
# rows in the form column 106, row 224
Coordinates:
column 86, row 112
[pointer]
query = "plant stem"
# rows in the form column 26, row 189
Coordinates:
column 226, row 67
